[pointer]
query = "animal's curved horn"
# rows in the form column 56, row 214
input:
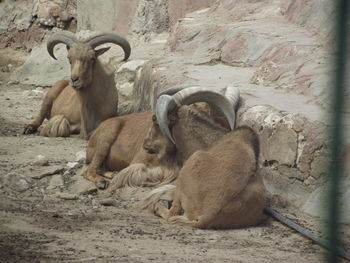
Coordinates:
column 66, row 38
column 114, row 38
column 232, row 94
column 172, row 90
column 166, row 104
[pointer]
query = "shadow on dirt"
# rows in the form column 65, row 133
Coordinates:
column 23, row 247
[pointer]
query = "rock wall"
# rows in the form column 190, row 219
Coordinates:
column 24, row 24
column 140, row 17
column 110, row 15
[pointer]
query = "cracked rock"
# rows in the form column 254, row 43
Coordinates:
column 46, row 171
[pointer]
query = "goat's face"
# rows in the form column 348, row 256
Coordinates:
column 155, row 143
column 82, row 58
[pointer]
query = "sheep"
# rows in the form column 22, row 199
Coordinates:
column 90, row 97
column 219, row 188
column 135, row 146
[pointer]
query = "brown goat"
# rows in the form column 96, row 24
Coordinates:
column 219, row 187
column 81, row 104
column 137, row 140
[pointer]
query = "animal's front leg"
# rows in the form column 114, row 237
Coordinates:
column 46, row 106
column 90, row 173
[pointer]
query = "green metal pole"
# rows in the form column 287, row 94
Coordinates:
column 337, row 132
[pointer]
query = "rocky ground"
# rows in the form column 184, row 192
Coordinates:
column 50, row 214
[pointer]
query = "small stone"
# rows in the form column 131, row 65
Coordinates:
column 37, row 91
column 81, row 186
column 72, row 164
column 66, row 196
column 310, row 181
column 56, row 181
column 80, row 156
column 41, row 160
column 107, row 202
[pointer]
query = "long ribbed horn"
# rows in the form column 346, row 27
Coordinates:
column 66, row 38
column 232, row 94
column 172, row 90
column 166, row 104
column 114, row 38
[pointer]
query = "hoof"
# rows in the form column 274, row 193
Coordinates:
column 102, row 184
column 165, row 203
column 29, row 129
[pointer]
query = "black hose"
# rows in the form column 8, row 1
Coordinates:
column 305, row 232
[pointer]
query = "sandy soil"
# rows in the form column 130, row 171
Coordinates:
column 45, row 217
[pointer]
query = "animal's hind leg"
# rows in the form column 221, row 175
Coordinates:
column 102, row 138
column 164, row 212
column 172, row 215
column 46, row 106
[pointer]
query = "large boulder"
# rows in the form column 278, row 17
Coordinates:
column 42, row 70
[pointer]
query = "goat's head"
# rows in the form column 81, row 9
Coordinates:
column 167, row 105
column 83, row 54
column 156, row 144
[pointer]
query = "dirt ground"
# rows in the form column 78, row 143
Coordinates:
column 45, row 216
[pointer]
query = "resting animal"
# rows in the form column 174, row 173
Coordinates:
column 90, row 97
column 135, row 145
column 219, row 187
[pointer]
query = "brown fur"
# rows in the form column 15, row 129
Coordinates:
column 219, row 188
column 137, row 141
column 114, row 144
column 90, row 99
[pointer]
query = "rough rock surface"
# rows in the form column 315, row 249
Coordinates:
column 24, row 24
column 142, row 17
column 57, row 13
column 14, row 14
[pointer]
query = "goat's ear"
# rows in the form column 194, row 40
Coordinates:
column 100, row 51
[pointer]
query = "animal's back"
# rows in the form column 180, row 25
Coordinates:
column 133, row 129
column 214, row 182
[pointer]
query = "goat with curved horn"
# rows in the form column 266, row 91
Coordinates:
column 89, row 97
column 135, row 146
column 167, row 104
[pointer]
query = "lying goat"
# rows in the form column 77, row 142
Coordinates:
column 90, row 97
column 219, row 187
column 137, row 139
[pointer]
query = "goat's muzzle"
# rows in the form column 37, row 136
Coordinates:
column 75, row 83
